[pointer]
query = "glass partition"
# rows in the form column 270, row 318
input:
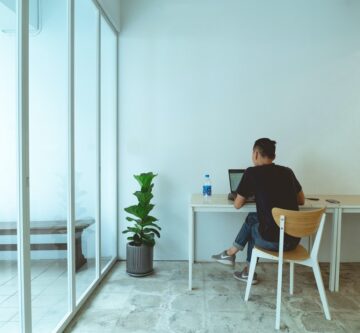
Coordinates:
column 48, row 153
column 108, row 143
column 48, row 139
column 9, row 295
column 85, row 141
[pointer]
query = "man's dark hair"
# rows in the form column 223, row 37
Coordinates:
column 265, row 147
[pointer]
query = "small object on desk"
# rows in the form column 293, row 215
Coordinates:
column 333, row 201
column 207, row 187
column 314, row 199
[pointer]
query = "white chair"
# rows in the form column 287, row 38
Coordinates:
column 297, row 224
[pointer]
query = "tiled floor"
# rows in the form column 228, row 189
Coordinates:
column 49, row 286
column 161, row 303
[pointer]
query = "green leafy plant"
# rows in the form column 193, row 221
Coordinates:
column 143, row 229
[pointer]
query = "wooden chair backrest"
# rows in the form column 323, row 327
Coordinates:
column 299, row 223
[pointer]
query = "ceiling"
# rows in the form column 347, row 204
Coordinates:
column 8, row 15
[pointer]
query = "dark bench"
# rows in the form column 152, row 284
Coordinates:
column 49, row 228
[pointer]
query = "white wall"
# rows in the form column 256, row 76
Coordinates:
column 201, row 80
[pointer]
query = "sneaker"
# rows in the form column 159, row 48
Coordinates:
column 243, row 276
column 224, row 258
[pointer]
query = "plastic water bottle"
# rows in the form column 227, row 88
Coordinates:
column 207, row 191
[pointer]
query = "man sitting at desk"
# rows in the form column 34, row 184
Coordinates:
column 273, row 186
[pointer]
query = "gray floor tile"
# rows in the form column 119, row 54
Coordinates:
column 49, row 286
column 190, row 302
column 162, row 302
column 186, row 321
column 216, row 304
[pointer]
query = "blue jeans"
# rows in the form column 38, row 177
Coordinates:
column 249, row 234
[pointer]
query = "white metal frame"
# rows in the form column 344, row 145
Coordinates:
column 98, row 148
column 71, row 164
column 100, row 274
column 65, row 321
column 117, row 145
column 312, row 262
column 23, row 225
column 23, row 221
column 103, row 17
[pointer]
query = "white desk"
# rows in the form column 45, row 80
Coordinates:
column 220, row 204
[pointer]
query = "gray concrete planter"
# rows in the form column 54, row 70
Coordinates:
column 139, row 260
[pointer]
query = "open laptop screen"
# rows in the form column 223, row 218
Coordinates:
column 235, row 176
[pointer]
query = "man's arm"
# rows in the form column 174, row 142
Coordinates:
column 300, row 198
column 239, row 201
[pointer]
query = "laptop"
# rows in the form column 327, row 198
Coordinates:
column 235, row 176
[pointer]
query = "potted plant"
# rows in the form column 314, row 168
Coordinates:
column 143, row 229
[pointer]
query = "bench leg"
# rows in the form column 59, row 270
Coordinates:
column 80, row 259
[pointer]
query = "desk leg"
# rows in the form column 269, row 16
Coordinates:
column 191, row 244
column 333, row 256
column 338, row 250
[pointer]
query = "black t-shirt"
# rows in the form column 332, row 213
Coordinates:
column 273, row 186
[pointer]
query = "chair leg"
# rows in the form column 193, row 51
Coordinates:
column 320, row 285
column 251, row 274
column 292, row 266
column 278, row 295
column 310, row 243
